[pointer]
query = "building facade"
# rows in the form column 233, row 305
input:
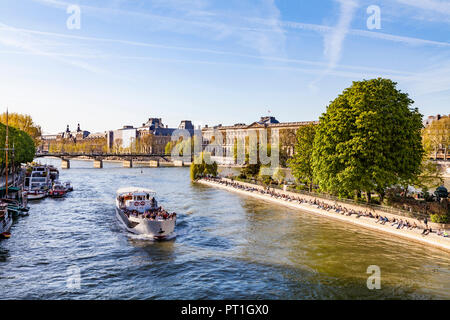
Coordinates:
column 150, row 138
column 69, row 138
column 264, row 130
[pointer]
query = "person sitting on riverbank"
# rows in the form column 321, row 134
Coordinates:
column 427, row 231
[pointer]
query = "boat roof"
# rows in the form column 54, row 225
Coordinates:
column 15, row 189
column 135, row 190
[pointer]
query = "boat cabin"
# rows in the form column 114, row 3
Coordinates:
column 139, row 199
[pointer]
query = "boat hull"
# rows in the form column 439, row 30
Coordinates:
column 5, row 225
column 36, row 196
column 158, row 229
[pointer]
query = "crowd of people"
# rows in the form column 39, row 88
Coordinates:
column 339, row 209
column 151, row 214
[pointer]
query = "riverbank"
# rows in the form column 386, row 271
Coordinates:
column 364, row 222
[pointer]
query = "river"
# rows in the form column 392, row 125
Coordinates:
column 228, row 246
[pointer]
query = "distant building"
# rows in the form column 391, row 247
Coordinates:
column 151, row 138
column 67, row 136
column 427, row 121
column 230, row 134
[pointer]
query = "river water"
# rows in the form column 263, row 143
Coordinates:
column 228, row 246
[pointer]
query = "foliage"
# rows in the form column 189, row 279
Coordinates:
column 437, row 135
column 183, row 147
column 88, row 146
column 169, row 147
column 202, row 166
column 24, row 147
column 301, row 162
column 22, row 122
column 279, row 175
column 368, row 140
column 439, row 218
column 441, row 192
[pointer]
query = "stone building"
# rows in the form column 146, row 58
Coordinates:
column 239, row 131
column 150, row 138
column 67, row 136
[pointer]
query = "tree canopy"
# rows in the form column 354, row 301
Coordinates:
column 368, row 139
column 22, row 122
column 301, row 162
column 202, row 165
column 24, row 147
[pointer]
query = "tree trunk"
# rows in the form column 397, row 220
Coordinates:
column 369, row 196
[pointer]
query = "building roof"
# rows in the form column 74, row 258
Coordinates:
column 269, row 123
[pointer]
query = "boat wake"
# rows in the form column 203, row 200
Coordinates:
column 145, row 237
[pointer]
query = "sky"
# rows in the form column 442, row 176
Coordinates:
column 120, row 62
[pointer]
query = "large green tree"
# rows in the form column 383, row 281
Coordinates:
column 24, row 147
column 368, row 140
column 301, row 162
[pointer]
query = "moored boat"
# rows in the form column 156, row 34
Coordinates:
column 138, row 210
column 5, row 221
column 16, row 200
column 38, row 182
column 57, row 191
column 68, row 186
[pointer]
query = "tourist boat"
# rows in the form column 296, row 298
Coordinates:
column 57, row 191
column 138, row 209
column 5, row 221
column 38, row 182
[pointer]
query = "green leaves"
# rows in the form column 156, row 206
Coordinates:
column 24, row 147
column 368, row 139
column 203, row 165
column 301, row 162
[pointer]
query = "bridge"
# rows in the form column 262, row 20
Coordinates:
column 152, row 160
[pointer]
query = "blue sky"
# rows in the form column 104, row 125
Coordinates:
column 213, row 61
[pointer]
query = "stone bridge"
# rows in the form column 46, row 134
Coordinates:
column 152, row 160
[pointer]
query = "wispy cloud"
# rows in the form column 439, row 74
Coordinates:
column 98, row 55
column 210, row 21
column 16, row 38
column 442, row 7
column 335, row 39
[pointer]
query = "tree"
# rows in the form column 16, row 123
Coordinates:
column 301, row 162
column 279, row 175
column 24, row 147
column 368, row 139
column 437, row 135
column 430, row 173
column 22, row 122
column 288, row 140
column 117, row 146
column 202, row 165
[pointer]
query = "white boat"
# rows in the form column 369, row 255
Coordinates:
column 67, row 186
column 38, row 183
column 138, row 210
column 6, row 221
